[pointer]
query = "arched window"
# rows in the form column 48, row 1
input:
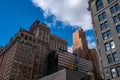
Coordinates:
column 99, row 4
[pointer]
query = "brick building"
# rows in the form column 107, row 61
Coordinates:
column 24, row 58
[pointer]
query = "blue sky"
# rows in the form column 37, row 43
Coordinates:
column 22, row 13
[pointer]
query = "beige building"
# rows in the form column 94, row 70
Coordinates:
column 106, row 23
column 80, row 47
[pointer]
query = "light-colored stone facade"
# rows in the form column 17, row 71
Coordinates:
column 105, row 66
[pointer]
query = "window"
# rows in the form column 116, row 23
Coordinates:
column 118, row 28
column 104, row 35
column 115, row 57
column 102, row 26
column 107, row 46
column 110, row 1
column 110, row 59
column 118, row 70
column 104, row 15
column 106, row 24
column 116, row 19
column 109, row 34
column 112, row 10
column 100, row 18
column 112, row 44
column 113, row 73
column 99, row 4
column 117, row 7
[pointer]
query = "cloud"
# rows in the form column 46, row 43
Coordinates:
column 91, row 42
column 70, row 49
column 71, row 12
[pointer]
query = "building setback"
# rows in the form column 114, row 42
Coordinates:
column 24, row 58
column 106, row 23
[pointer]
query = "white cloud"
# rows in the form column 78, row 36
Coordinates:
column 71, row 12
column 91, row 42
column 70, row 49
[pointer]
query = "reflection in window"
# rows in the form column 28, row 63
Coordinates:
column 110, row 59
column 115, row 56
column 113, row 72
column 112, row 44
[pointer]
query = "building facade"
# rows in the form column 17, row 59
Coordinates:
column 24, row 58
column 61, row 59
column 80, row 47
column 106, row 23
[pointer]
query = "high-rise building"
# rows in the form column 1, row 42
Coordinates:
column 80, row 47
column 106, row 23
column 24, row 58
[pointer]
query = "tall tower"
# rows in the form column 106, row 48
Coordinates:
column 80, row 47
column 106, row 21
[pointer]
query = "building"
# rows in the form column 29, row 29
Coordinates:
column 67, row 74
column 61, row 59
column 93, row 57
column 24, row 58
column 106, row 23
column 80, row 47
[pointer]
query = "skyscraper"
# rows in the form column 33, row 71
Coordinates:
column 80, row 47
column 106, row 23
column 24, row 58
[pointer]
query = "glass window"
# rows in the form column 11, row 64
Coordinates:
column 119, row 16
column 107, row 46
column 100, row 18
column 118, row 28
column 117, row 7
column 112, row 9
column 112, row 44
column 116, row 19
column 99, row 4
column 104, row 36
column 113, row 72
column 109, row 34
column 102, row 26
column 115, row 57
column 106, row 24
column 118, row 70
column 110, row 1
column 110, row 59
column 104, row 15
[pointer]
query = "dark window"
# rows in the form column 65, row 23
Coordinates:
column 118, row 70
column 119, row 16
column 115, row 57
column 118, row 28
column 109, row 34
column 104, row 15
column 113, row 73
column 102, row 26
column 110, row 59
column 21, row 34
column 104, row 35
column 110, row 1
column 99, row 4
column 100, row 18
column 106, row 24
column 112, row 9
column 116, row 19
column 117, row 7
column 26, row 37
